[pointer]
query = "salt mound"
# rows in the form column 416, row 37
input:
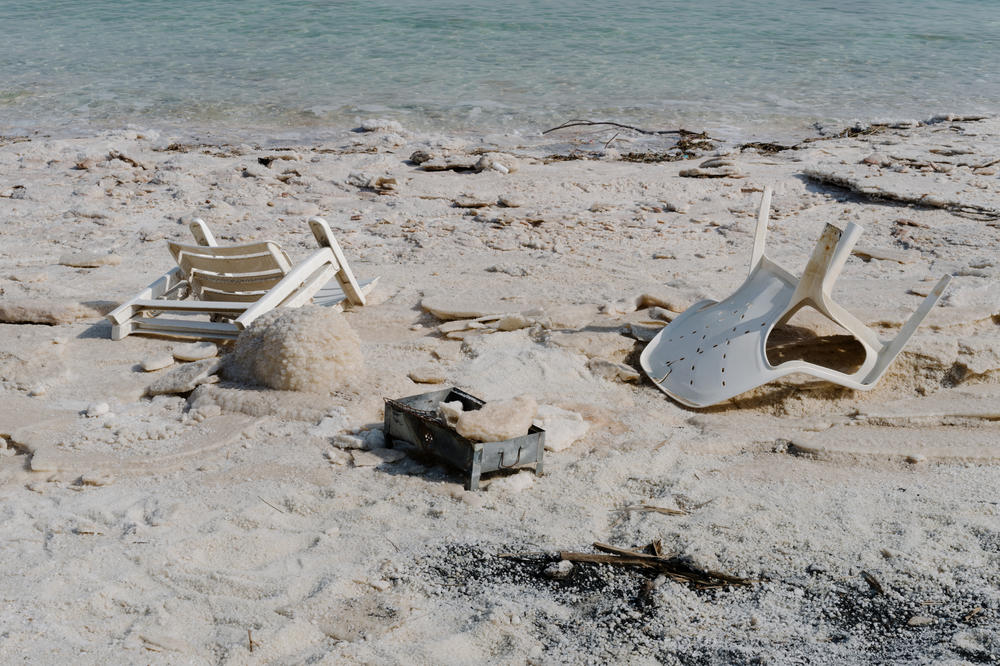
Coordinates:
column 306, row 349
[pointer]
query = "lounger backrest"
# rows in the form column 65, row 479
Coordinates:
column 231, row 273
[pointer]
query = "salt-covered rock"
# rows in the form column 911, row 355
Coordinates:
column 185, row 378
column 714, row 167
column 381, row 125
column 195, row 351
column 450, row 163
column 562, row 427
column 610, row 370
column 337, row 456
column 310, row 348
column 98, row 409
column 450, row 412
column 376, row 457
column 510, row 201
column 514, row 483
column 90, row 259
column 349, row 441
column 498, row 420
column 428, row 374
column 157, row 362
column 558, row 570
column 513, row 322
column 374, row 438
column 420, row 156
column 329, row 426
column 470, row 201
column 463, row 306
column 34, row 311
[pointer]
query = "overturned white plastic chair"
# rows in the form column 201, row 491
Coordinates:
column 215, row 291
column 714, row 351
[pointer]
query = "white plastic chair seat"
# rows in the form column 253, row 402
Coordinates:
column 716, row 350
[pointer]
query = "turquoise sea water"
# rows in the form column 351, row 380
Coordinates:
column 741, row 65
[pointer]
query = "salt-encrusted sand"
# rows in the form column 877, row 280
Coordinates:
column 173, row 529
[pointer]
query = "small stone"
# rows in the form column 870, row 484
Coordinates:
column 185, row 378
column 469, row 201
column 349, row 441
column 195, row 351
column 359, row 179
column 610, row 370
column 35, row 311
column 428, row 374
column 498, row 420
column 920, row 621
column 157, row 362
column 916, row 458
column 513, row 322
column 483, row 163
column 381, row 125
column 559, row 570
column 89, row 259
column 600, row 207
column 644, row 332
column 509, row 201
column 720, row 172
column 420, row 156
column 717, row 162
column 463, row 306
column 337, row 457
column 384, row 184
column 877, row 159
column 562, row 427
column 448, row 351
column 95, row 479
column 663, row 314
column 376, row 457
column 98, row 409
column 329, row 426
column 514, row 483
column 374, row 438
column 450, row 163
column 37, row 391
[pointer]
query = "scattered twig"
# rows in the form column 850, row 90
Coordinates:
column 392, row 544
column 672, row 567
column 611, row 140
column 579, row 122
column 972, row 613
column 646, row 508
column 269, row 504
column 873, row 583
column 251, row 641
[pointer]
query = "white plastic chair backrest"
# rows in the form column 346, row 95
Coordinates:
column 230, row 273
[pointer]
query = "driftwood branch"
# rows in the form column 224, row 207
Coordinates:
column 579, row 122
column 650, row 558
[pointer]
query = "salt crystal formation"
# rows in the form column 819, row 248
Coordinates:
column 305, row 349
column 497, row 421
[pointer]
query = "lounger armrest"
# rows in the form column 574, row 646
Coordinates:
column 345, row 276
column 162, row 286
column 287, row 286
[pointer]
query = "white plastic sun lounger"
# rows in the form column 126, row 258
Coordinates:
column 716, row 350
column 215, row 291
